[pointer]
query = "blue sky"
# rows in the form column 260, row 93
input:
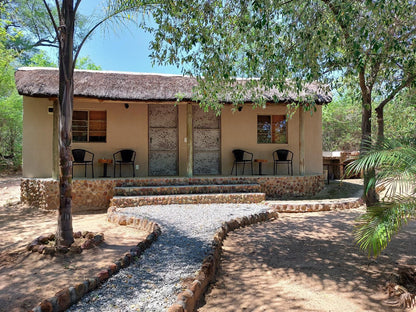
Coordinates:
column 120, row 48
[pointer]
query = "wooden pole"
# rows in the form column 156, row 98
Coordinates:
column 301, row 143
column 189, row 140
column 55, row 141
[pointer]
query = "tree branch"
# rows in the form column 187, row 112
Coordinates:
column 390, row 97
column 77, row 5
column 51, row 17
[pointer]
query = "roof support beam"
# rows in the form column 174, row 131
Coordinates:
column 301, row 142
column 189, row 141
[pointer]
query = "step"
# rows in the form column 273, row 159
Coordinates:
column 186, row 189
column 174, row 181
column 221, row 198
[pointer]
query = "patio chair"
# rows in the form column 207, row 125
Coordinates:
column 242, row 157
column 124, row 157
column 83, row 158
column 283, row 156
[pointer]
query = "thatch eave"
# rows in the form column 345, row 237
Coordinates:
column 137, row 87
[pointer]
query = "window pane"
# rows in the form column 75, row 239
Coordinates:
column 89, row 126
column 264, row 134
column 98, row 126
column 279, row 128
column 80, row 126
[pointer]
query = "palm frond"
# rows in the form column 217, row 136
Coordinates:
column 375, row 229
column 394, row 164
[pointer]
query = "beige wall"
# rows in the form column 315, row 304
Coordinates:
column 128, row 128
column 313, row 141
column 239, row 131
column 37, row 138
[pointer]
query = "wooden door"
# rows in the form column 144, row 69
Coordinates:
column 163, row 140
column 206, row 142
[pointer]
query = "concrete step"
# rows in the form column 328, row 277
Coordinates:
column 186, row 189
column 218, row 198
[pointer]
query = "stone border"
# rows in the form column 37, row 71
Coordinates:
column 187, row 300
column 314, row 206
column 68, row 296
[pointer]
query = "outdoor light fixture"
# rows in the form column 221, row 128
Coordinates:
column 126, row 105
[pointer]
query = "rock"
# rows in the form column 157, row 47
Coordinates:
column 75, row 249
column 64, row 299
column 43, row 239
column 49, row 251
column 98, row 239
column 62, row 249
column 88, row 244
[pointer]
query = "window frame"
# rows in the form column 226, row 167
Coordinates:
column 88, row 129
column 271, row 132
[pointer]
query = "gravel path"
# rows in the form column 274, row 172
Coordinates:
column 153, row 282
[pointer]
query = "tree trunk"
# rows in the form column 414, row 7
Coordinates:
column 380, row 123
column 65, row 236
column 370, row 195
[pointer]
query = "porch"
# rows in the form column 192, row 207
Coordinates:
column 101, row 193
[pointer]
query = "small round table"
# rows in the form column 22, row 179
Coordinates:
column 105, row 162
column 260, row 162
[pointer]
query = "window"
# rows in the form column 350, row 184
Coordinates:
column 272, row 129
column 89, row 126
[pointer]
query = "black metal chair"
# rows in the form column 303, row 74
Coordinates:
column 124, row 157
column 83, row 158
column 242, row 157
column 283, row 156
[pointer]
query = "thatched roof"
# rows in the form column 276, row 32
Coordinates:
column 122, row 86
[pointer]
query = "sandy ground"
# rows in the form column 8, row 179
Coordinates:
column 306, row 262
column 27, row 278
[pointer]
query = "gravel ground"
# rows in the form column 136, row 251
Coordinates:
column 153, row 282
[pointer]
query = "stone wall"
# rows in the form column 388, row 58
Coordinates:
column 96, row 194
column 87, row 195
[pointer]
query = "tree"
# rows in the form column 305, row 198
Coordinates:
column 341, row 120
column 10, row 102
column 63, row 19
column 29, row 22
column 372, row 42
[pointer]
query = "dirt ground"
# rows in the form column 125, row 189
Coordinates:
column 299, row 262
column 28, row 278
column 306, row 262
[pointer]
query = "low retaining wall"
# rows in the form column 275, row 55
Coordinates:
column 91, row 194
column 96, row 194
column 315, row 206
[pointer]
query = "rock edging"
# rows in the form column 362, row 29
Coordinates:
column 314, row 206
column 188, row 299
column 68, row 296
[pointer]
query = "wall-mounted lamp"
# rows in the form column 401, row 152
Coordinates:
column 126, row 105
column 240, row 108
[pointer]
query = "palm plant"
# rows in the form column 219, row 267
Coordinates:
column 395, row 167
